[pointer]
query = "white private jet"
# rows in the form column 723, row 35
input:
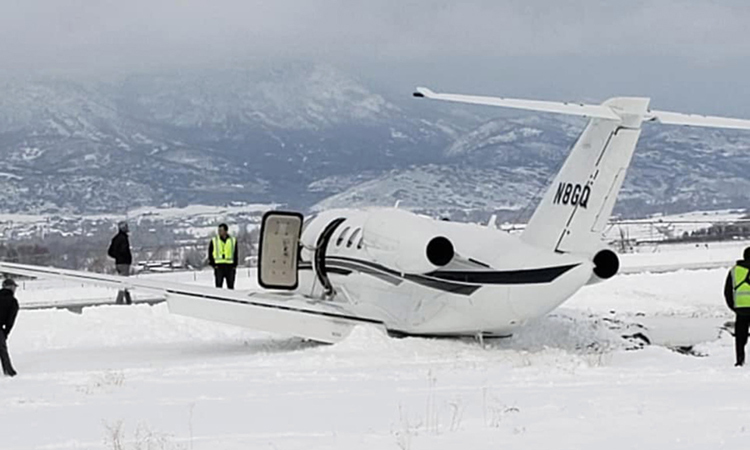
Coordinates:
column 412, row 275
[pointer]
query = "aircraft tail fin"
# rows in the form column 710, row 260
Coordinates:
column 577, row 206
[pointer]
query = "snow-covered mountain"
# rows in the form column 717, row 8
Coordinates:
column 253, row 135
column 505, row 165
column 306, row 134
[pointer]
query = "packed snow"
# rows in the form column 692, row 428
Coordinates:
column 136, row 377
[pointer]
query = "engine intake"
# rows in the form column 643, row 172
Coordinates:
column 440, row 251
column 606, row 264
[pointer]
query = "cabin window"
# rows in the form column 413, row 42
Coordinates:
column 342, row 236
column 354, row 235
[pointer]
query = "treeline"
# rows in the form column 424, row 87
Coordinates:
column 717, row 232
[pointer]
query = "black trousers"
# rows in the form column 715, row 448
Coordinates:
column 123, row 296
column 5, row 357
column 741, row 325
column 225, row 272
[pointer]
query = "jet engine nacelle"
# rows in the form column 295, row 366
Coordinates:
column 606, row 265
column 407, row 243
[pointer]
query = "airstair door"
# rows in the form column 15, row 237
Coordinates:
column 278, row 256
column 321, row 248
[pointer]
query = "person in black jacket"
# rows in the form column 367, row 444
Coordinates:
column 8, row 313
column 736, row 291
column 119, row 250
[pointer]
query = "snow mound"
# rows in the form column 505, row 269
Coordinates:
column 116, row 327
column 573, row 332
column 365, row 338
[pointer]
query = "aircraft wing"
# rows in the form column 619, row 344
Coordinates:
column 276, row 312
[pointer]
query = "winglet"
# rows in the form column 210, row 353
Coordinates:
column 492, row 223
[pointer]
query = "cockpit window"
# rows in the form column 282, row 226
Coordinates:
column 342, row 236
column 361, row 242
column 307, row 221
column 354, row 235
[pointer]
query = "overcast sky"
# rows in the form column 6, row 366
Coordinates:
column 684, row 53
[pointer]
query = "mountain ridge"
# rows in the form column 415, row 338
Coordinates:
column 312, row 136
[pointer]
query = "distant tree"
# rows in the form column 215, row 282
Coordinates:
column 194, row 258
column 247, row 242
column 101, row 264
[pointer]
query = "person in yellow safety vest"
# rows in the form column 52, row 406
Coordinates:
column 737, row 296
column 223, row 257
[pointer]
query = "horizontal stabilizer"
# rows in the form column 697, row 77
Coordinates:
column 696, row 120
column 603, row 111
column 574, row 109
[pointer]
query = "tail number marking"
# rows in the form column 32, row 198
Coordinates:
column 572, row 194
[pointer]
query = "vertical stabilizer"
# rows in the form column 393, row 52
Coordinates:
column 576, row 208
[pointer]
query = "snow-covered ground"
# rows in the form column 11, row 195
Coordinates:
column 139, row 378
column 659, row 227
column 665, row 257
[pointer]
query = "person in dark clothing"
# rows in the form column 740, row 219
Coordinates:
column 119, row 250
column 8, row 313
column 223, row 257
column 737, row 296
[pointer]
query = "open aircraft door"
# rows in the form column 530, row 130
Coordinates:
column 278, row 256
